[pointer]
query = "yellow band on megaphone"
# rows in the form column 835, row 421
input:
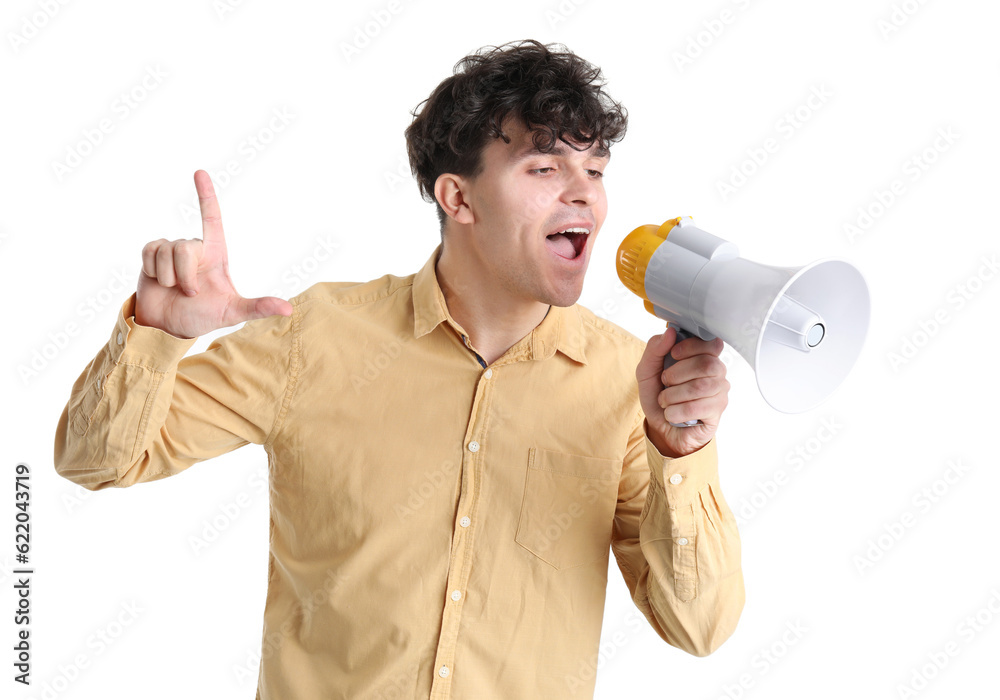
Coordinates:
column 635, row 252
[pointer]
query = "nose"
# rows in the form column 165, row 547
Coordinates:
column 580, row 188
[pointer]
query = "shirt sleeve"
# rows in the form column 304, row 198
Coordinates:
column 141, row 411
column 677, row 544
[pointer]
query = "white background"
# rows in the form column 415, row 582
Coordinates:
column 701, row 88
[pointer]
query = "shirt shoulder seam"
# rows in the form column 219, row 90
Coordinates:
column 380, row 293
column 291, row 380
column 598, row 324
column 294, row 349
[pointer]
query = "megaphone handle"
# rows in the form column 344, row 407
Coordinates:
column 668, row 361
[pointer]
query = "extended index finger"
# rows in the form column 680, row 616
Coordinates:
column 211, row 217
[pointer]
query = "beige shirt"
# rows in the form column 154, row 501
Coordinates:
column 438, row 529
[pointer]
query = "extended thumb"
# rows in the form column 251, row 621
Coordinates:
column 262, row 307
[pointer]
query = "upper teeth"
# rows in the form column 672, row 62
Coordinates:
column 578, row 229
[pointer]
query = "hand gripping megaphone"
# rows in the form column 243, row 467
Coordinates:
column 800, row 328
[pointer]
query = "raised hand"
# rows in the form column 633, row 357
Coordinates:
column 185, row 288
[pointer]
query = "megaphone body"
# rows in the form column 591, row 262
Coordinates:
column 800, row 328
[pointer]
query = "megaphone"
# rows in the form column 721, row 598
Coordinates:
column 800, row 328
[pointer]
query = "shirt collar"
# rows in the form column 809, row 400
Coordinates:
column 561, row 329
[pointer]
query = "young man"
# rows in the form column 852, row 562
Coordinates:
column 452, row 453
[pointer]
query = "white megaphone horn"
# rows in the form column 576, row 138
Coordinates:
column 800, row 328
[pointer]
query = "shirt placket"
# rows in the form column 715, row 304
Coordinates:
column 464, row 529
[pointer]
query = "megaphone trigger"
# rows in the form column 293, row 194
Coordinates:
column 669, row 361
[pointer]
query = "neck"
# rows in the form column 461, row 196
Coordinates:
column 494, row 319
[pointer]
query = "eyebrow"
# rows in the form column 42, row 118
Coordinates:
column 558, row 150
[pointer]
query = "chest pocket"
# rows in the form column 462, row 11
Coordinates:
column 568, row 507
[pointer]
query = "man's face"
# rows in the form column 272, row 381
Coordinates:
column 521, row 201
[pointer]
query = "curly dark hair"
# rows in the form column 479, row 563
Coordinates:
column 554, row 92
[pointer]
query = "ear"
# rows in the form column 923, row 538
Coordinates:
column 450, row 192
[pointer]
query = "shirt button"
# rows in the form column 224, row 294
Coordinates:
column 456, row 595
column 473, row 446
column 682, row 540
column 120, row 338
column 443, row 671
column 465, row 522
column 488, row 373
column 676, row 479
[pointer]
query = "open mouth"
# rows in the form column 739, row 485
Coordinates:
column 569, row 243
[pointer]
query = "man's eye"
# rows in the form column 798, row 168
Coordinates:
column 542, row 171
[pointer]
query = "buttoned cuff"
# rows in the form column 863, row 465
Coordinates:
column 682, row 478
column 142, row 345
